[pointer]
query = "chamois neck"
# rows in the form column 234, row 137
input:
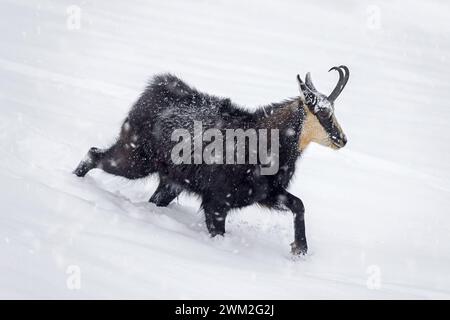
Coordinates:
column 287, row 115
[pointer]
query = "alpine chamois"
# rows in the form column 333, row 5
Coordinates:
column 146, row 142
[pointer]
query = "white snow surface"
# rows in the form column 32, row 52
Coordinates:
column 377, row 211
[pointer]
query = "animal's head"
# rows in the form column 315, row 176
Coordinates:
column 320, row 124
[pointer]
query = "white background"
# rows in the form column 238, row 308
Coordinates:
column 377, row 211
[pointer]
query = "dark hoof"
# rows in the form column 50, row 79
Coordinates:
column 299, row 249
column 82, row 169
column 156, row 200
column 216, row 233
column 89, row 162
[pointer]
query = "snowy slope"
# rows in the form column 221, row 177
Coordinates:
column 377, row 211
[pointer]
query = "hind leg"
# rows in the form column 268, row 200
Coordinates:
column 120, row 160
column 165, row 193
column 129, row 157
column 93, row 157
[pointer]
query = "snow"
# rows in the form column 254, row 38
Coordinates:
column 377, row 211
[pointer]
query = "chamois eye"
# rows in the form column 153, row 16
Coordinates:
column 311, row 100
column 323, row 113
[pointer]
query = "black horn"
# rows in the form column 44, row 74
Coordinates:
column 344, row 73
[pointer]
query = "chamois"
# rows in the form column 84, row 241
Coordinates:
column 145, row 144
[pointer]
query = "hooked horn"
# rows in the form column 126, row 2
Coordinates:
column 343, row 78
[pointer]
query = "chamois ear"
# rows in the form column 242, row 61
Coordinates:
column 302, row 88
column 306, row 94
column 309, row 83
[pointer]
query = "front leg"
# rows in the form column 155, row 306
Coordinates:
column 299, row 246
column 165, row 193
column 215, row 215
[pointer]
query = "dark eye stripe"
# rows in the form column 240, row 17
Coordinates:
column 311, row 99
column 324, row 113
